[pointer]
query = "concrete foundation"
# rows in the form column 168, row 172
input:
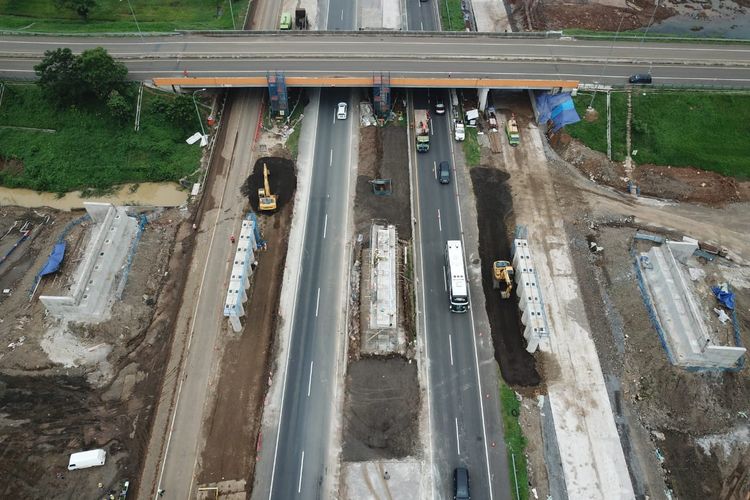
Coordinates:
column 529, row 296
column 92, row 283
column 682, row 324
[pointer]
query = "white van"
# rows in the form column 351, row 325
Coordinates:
column 86, row 459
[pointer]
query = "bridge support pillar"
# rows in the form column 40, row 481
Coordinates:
column 382, row 94
column 483, row 99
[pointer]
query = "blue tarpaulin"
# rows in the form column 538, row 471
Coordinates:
column 559, row 108
column 725, row 297
column 55, row 258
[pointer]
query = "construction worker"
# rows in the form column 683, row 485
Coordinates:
column 231, row 238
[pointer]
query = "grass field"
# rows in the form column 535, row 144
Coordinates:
column 471, row 147
column 451, row 17
column 88, row 148
column 515, row 442
column 115, row 15
column 681, row 129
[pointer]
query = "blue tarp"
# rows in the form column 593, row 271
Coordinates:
column 55, row 258
column 726, row 298
column 559, row 108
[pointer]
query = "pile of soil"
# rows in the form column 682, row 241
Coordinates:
column 682, row 184
column 495, row 223
column 381, row 409
column 281, row 177
column 373, row 164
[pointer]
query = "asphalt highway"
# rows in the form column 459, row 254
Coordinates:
column 302, row 458
column 401, row 54
column 458, row 432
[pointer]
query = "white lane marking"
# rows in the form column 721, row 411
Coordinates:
column 317, row 303
column 421, row 26
column 458, row 444
column 440, row 223
column 330, row 158
column 434, row 169
column 301, row 466
column 309, row 381
column 450, row 347
column 342, row 14
column 445, row 280
column 334, row 119
column 325, row 227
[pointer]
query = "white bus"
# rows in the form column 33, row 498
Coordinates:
column 458, row 289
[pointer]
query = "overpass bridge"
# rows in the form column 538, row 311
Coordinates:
column 483, row 60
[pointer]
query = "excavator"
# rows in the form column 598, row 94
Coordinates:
column 266, row 200
column 502, row 277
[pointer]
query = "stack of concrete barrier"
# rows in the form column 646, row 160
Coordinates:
column 242, row 268
column 529, row 295
column 92, row 282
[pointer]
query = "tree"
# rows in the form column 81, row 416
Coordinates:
column 59, row 75
column 182, row 111
column 80, row 7
column 100, row 73
column 118, row 106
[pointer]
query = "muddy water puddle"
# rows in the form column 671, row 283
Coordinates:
column 160, row 194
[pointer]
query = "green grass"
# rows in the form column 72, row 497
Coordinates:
column 680, row 129
column 115, row 16
column 514, row 441
column 472, row 151
column 594, row 134
column 89, row 148
column 451, row 17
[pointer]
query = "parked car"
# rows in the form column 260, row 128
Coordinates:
column 341, row 111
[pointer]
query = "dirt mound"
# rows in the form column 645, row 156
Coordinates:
column 281, row 177
column 494, row 213
column 381, row 409
column 374, row 164
column 553, row 15
column 683, row 184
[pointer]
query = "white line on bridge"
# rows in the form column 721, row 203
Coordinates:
column 440, row 224
column 450, row 346
column 330, row 158
column 309, row 382
column 445, row 280
column 317, row 303
column 325, row 226
column 434, row 169
column 301, row 466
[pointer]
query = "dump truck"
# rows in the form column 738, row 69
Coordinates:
column 422, row 129
column 502, row 277
column 460, row 132
column 511, row 130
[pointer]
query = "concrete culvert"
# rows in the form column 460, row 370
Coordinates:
column 282, row 179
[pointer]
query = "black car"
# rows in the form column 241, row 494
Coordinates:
column 444, row 172
column 461, row 484
column 640, row 78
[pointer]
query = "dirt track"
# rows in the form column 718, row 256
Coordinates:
column 232, row 432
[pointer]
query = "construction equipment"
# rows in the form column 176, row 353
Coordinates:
column 502, row 277
column 511, row 130
column 266, row 200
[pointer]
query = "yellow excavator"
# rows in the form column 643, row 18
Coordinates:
column 266, row 200
column 502, row 277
